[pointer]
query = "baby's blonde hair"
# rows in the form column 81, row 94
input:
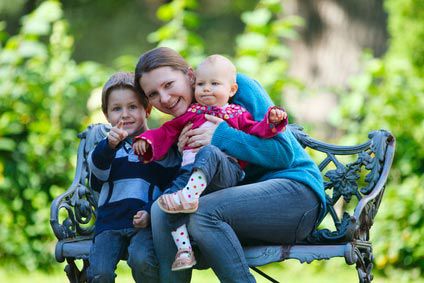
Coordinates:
column 219, row 59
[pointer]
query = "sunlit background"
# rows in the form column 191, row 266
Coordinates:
column 341, row 68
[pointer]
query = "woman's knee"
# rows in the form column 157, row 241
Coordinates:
column 205, row 218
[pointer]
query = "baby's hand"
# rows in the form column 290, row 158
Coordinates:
column 140, row 146
column 141, row 219
column 277, row 115
column 116, row 135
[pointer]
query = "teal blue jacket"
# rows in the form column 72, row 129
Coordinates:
column 278, row 157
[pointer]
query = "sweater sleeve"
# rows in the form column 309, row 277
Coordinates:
column 275, row 153
column 100, row 160
column 264, row 128
column 162, row 138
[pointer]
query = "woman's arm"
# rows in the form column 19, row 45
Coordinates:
column 276, row 152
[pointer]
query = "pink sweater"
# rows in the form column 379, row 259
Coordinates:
column 162, row 138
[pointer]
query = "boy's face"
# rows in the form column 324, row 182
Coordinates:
column 126, row 105
column 214, row 84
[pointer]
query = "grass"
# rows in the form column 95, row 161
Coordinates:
column 334, row 271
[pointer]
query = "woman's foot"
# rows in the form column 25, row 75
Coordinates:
column 184, row 259
column 177, row 203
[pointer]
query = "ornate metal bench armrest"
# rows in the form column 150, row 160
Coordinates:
column 79, row 201
column 361, row 180
column 383, row 145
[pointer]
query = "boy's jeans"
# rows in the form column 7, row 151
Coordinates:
column 113, row 245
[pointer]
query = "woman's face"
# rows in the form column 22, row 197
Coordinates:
column 169, row 90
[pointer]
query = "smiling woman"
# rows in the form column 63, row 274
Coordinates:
column 169, row 90
column 281, row 172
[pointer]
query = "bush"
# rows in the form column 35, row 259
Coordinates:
column 390, row 94
column 42, row 107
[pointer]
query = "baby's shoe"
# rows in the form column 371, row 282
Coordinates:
column 184, row 259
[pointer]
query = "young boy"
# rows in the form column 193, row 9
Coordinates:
column 209, row 168
column 127, row 186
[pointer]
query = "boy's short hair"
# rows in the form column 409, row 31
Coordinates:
column 120, row 80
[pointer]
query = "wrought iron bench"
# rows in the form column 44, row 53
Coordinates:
column 354, row 180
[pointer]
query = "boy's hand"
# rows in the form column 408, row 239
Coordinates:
column 140, row 146
column 141, row 219
column 277, row 115
column 117, row 134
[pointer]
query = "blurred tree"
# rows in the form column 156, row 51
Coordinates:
column 328, row 52
column 106, row 29
column 390, row 94
column 43, row 95
column 261, row 51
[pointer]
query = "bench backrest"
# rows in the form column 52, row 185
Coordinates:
column 354, row 182
column 357, row 184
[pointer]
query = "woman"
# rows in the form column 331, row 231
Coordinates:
column 283, row 197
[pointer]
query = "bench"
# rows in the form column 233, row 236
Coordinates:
column 354, row 181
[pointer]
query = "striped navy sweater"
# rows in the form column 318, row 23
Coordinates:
column 126, row 185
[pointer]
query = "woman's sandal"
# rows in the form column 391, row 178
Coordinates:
column 167, row 203
column 184, row 262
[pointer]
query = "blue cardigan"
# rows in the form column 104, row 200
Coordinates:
column 278, row 157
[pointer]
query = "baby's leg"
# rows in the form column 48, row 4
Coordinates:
column 212, row 170
column 184, row 258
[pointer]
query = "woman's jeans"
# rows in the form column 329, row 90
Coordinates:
column 113, row 245
column 277, row 211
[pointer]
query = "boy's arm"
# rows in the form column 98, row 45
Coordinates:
column 100, row 160
column 264, row 128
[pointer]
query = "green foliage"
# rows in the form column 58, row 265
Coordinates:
column 260, row 51
column 43, row 95
column 178, row 32
column 390, row 94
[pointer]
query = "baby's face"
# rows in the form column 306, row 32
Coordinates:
column 214, row 84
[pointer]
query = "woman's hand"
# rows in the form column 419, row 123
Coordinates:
column 183, row 138
column 200, row 137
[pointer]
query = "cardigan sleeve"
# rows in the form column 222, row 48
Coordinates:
column 274, row 153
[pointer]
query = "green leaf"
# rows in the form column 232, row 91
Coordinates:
column 259, row 17
column 7, row 144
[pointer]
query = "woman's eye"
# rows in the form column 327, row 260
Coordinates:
column 200, row 84
column 116, row 108
column 152, row 95
column 133, row 107
column 215, row 83
column 169, row 84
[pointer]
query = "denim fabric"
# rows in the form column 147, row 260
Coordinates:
column 278, row 211
column 221, row 172
column 112, row 245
